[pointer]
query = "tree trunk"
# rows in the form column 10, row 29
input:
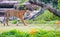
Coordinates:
column 54, row 11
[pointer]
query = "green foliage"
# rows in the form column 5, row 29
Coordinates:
column 47, row 16
column 39, row 33
column 22, row 1
column 59, row 4
column 14, row 33
column 54, row 3
column 58, row 34
column 13, row 21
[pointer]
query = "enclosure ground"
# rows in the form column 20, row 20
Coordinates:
column 28, row 27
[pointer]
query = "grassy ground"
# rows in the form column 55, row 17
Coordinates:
column 30, row 26
column 44, row 30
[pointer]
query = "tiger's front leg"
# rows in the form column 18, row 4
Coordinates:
column 17, row 21
column 22, row 20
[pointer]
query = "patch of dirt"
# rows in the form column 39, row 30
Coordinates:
column 22, row 27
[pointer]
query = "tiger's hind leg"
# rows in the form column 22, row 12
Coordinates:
column 7, row 19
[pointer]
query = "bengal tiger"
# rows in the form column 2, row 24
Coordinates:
column 16, row 13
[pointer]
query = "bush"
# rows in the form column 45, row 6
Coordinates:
column 48, row 16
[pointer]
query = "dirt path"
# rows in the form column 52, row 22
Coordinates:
column 22, row 27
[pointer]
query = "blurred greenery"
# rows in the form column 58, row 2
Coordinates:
column 59, row 4
column 21, row 2
column 38, row 33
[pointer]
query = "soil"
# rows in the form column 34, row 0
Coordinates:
column 22, row 27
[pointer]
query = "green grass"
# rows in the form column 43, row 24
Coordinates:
column 35, row 22
column 39, row 33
